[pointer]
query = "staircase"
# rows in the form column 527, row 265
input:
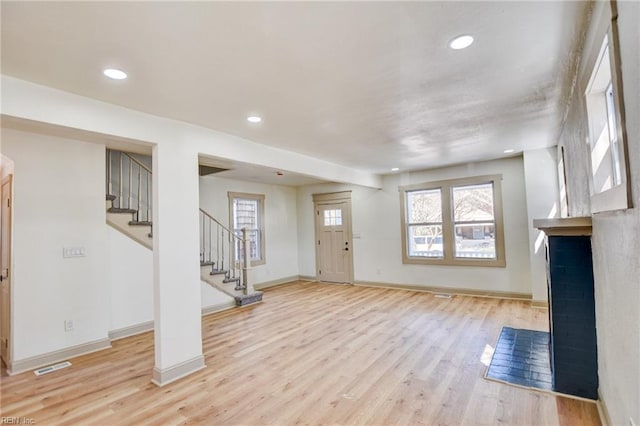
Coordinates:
column 129, row 196
column 223, row 253
column 224, row 260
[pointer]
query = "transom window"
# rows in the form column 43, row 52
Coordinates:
column 247, row 211
column 454, row 222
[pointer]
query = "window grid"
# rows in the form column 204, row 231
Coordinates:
column 247, row 212
column 453, row 222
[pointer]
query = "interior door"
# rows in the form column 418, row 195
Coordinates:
column 5, row 273
column 333, row 245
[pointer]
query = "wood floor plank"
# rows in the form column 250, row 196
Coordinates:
column 311, row 353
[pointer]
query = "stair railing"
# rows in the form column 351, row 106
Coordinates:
column 130, row 182
column 224, row 250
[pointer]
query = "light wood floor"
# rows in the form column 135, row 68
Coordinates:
column 311, row 354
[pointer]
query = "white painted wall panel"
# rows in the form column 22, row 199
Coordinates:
column 59, row 202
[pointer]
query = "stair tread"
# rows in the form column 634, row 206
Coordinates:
column 110, row 197
column 218, row 272
column 119, row 210
column 140, row 223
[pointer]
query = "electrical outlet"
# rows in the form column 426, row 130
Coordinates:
column 68, row 325
column 68, row 252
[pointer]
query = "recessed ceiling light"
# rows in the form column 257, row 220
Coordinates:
column 461, row 42
column 395, row 169
column 508, row 151
column 115, row 74
column 254, row 119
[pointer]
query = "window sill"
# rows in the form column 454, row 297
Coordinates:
column 496, row 263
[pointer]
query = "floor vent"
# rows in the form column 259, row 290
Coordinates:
column 52, row 368
column 443, row 296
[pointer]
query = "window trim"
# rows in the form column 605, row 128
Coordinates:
column 446, row 186
column 617, row 197
column 260, row 198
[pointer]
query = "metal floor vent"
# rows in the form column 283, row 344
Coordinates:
column 443, row 295
column 52, row 368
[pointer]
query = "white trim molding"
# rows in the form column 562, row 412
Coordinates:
column 27, row 364
column 446, row 290
column 218, row 307
column 131, row 330
column 280, row 281
column 162, row 377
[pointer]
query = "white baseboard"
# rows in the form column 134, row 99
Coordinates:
column 603, row 412
column 162, row 377
column 447, row 290
column 539, row 304
column 132, row 330
column 218, row 307
column 27, row 364
column 274, row 283
column 306, row 278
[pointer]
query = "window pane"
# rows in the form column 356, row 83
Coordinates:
column 253, row 237
column 245, row 213
column 613, row 136
column 333, row 217
column 477, row 240
column 424, row 206
column 425, row 241
column 473, row 202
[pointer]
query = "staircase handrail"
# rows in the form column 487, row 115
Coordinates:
column 237, row 269
column 236, row 236
column 137, row 162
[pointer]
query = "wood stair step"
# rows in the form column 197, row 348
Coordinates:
column 110, row 197
column 119, row 210
column 140, row 223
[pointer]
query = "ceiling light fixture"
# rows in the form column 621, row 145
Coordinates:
column 508, row 151
column 461, row 42
column 115, row 74
column 395, row 169
column 254, row 119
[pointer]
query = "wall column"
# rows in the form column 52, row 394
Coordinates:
column 541, row 186
column 176, row 269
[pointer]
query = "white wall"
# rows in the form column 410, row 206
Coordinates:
column 615, row 242
column 541, row 182
column 378, row 251
column 6, row 166
column 281, row 243
column 130, row 271
column 59, row 202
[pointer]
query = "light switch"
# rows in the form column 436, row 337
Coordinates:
column 68, row 252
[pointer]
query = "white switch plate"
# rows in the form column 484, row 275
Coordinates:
column 68, row 325
column 69, row 252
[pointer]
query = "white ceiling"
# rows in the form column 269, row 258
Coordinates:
column 371, row 85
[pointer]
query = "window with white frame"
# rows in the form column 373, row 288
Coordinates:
column 608, row 180
column 453, row 222
column 247, row 211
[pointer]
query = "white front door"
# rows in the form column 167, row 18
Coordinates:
column 333, row 245
column 5, row 273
